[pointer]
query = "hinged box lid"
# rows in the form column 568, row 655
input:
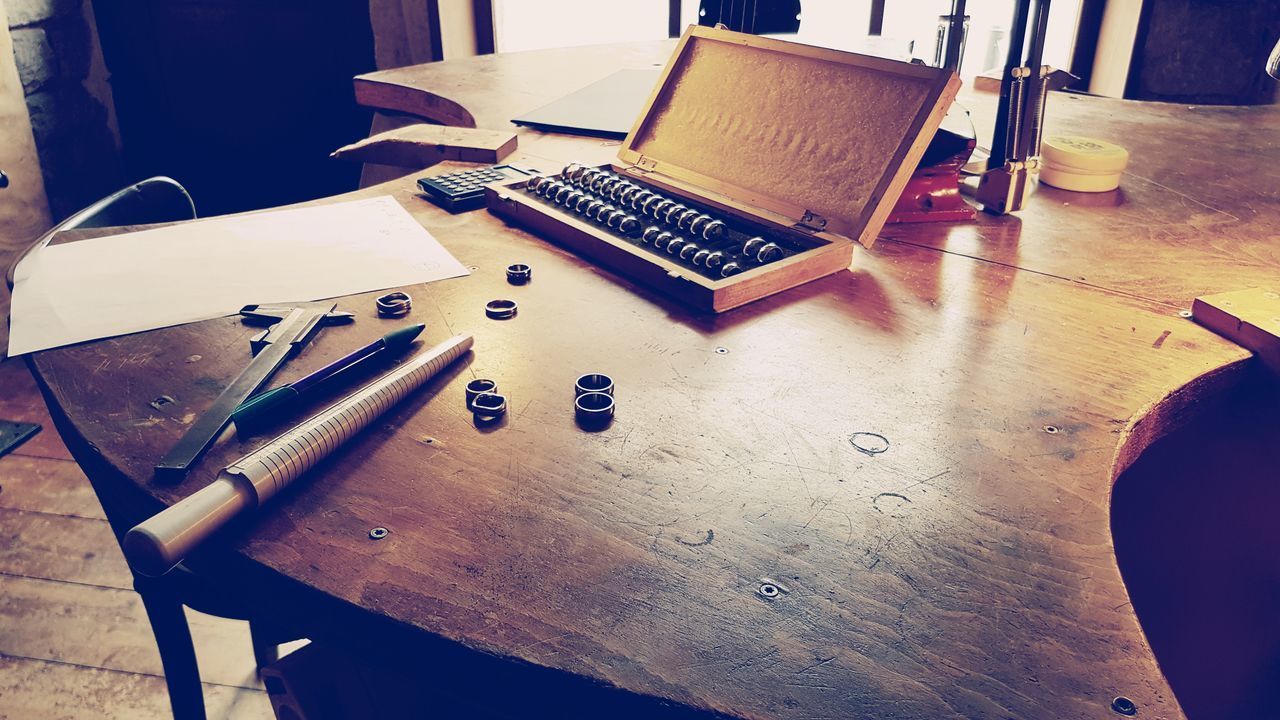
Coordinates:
column 825, row 138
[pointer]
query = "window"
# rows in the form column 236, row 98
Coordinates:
column 522, row 25
column 910, row 28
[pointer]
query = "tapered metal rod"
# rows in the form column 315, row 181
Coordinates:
column 157, row 544
column 1033, row 110
column 1006, row 111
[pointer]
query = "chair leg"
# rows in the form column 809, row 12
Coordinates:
column 177, row 653
column 265, row 650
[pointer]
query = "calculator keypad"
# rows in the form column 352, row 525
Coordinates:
column 464, row 190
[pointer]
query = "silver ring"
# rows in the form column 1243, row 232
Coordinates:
column 394, row 304
column 501, row 309
column 594, row 408
column 696, row 226
column 593, row 382
column 768, row 253
column 489, row 405
column 714, row 230
column 519, row 274
column 478, row 387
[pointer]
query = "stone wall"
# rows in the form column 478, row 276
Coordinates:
column 56, row 51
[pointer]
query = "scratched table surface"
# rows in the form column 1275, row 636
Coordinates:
column 882, row 494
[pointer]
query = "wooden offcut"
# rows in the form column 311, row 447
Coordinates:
column 419, row 146
column 1250, row 318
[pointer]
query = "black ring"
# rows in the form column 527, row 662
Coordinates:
column 594, row 409
column 500, row 309
column 593, row 382
column 489, row 405
column 478, row 387
column 519, row 274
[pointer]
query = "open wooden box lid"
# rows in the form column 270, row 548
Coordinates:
column 824, row 138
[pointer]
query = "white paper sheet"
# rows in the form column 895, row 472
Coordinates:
column 139, row 281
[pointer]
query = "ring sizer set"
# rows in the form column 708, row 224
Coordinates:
column 685, row 233
column 715, row 202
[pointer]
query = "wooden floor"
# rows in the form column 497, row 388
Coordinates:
column 74, row 640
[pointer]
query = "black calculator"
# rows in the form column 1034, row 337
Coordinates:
column 463, row 191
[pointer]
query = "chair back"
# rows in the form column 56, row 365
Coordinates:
column 154, row 200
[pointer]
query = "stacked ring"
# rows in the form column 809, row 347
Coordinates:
column 395, row 304
column 519, row 274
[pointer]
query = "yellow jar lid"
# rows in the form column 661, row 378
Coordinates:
column 1082, row 154
column 1079, row 182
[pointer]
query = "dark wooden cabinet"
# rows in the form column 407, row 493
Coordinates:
column 1204, row 53
column 240, row 100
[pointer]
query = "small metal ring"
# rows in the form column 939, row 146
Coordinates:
column 593, row 382
column 629, row 226
column 714, row 230
column 688, row 250
column 489, row 405
column 478, row 387
column 753, row 245
column 730, row 269
column 594, row 408
column 768, row 253
column 519, row 274
column 699, row 223
column 394, row 304
column 501, row 309
column 650, row 233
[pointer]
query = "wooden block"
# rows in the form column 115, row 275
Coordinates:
column 423, row 145
column 987, row 83
column 1250, row 318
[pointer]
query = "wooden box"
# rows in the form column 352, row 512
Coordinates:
column 808, row 146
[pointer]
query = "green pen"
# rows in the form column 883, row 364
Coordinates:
column 265, row 407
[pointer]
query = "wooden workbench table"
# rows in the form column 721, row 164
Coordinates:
column 918, row 453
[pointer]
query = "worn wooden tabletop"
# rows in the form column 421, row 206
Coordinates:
column 917, row 453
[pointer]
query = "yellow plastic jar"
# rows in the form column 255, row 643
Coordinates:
column 1081, row 164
